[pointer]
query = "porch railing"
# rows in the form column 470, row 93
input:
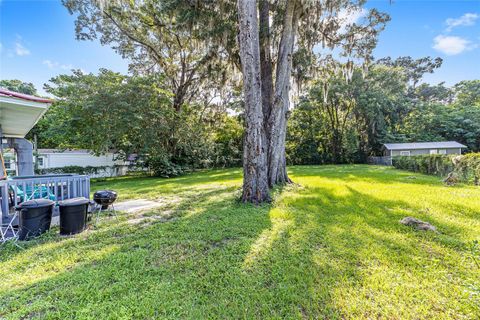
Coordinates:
column 53, row 187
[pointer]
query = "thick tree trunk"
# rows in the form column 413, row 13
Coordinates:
column 277, row 122
column 255, row 183
column 178, row 100
column 266, row 62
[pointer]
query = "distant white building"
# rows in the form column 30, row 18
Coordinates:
column 107, row 164
column 418, row 148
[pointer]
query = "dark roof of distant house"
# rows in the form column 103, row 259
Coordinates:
column 13, row 94
column 424, row 145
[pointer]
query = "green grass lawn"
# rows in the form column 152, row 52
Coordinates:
column 330, row 247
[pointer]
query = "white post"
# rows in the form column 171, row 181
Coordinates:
column 24, row 150
column 4, row 205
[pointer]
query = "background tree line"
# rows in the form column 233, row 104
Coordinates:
column 386, row 104
column 133, row 115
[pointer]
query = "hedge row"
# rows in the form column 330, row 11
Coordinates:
column 88, row 170
column 466, row 167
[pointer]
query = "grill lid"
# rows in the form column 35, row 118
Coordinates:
column 105, row 194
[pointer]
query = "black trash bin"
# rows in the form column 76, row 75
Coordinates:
column 73, row 215
column 34, row 218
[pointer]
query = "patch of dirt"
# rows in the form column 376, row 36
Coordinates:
column 222, row 243
column 148, row 219
column 168, row 200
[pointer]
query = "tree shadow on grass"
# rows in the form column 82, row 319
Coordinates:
column 313, row 253
column 153, row 270
column 109, row 229
column 346, row 256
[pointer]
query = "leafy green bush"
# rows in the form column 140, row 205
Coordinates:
column 467, row 167
column 160, row 165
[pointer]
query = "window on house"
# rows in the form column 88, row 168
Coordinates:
column 8, row 165
column 433, row 151
column 404, row 153
column 442, row 151
column 40, row 161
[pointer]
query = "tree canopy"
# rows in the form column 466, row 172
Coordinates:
column 19, row 86
column 381, row 107
column 156, row 37
column 133, row 116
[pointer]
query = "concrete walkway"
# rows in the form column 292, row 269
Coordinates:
column 129, row 206
column 132, row 206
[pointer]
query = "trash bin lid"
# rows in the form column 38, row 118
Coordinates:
column 74, row 202
column 36, row 203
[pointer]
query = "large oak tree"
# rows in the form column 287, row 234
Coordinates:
column 285, row 28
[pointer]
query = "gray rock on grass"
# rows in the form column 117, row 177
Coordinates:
column 418, row 224
column 451, row 179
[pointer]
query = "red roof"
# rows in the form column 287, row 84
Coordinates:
column 13, row 94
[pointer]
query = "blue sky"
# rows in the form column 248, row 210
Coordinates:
column 37, row 39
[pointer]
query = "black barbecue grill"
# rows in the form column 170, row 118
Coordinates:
column 104, row 198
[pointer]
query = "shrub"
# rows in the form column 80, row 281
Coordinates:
column 162, row 166
column 88, row 170
column 467, row 167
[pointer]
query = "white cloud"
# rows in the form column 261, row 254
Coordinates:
column 468, row 19
column 50, row 64
column 451, row 45
column 20, row 50
column 54, row 64
column 66, row 66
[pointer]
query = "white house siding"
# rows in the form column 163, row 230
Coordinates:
column 454, row 151
column 82, row 158
column 414, row 152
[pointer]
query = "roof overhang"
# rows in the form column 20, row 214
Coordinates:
column 19, row 113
